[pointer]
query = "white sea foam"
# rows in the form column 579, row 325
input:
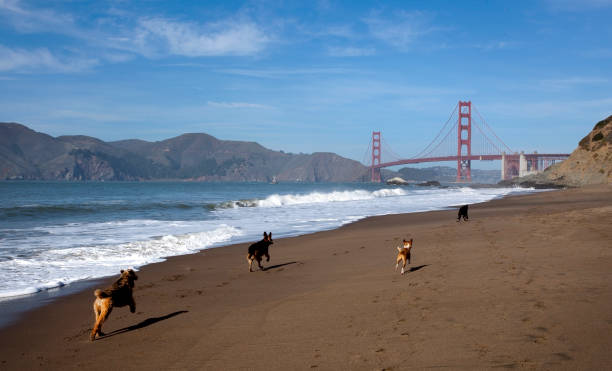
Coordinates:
column 59, row 254
column 57, row 267
column 277, row 200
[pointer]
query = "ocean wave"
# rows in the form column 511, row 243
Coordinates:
column 278, row 200
column 44, row 211
column 58, row 267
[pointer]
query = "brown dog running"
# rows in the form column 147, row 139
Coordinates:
column 403, row 254
column 118, row 295
column 258, row 250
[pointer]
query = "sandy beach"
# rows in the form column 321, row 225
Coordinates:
column 525, row 284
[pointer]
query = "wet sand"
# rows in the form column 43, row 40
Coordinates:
column 525, row 284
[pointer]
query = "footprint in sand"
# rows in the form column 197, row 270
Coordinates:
column 563, row 356
column 538, row 339
column 175, row 277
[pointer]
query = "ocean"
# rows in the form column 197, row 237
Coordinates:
column 56, row 233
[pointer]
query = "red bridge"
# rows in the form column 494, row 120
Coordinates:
column 457, row 142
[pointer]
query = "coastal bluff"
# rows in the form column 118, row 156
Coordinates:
column 29, row 155
column 590, row 163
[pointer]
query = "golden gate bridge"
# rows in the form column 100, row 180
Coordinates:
column 458, row 142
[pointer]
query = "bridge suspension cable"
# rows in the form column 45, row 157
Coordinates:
column 425, row 150
column 492, row 132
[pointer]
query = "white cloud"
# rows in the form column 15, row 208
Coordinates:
column 159, row 35
column 567, row 83
column 350, row 51
column 22, row 60
column 574, row 109
column 34, row 20
column 89, row 115
column 496, row 45
column 237, row 105
column 278, row 73
column 399, row 30
column 117, row 36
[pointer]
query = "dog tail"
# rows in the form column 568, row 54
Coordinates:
column 399, row 248
column 100, row 294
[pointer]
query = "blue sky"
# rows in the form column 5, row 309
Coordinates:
column 307, row 76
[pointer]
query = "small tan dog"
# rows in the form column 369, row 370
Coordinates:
column 118, row 295
column 403, row 254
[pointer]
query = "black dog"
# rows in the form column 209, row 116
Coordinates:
column 463, row 212
column 260, row 249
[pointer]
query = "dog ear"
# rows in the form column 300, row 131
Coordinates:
column 265, row 235
column 270, row 235
column 122, row 271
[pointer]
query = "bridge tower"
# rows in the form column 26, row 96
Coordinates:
column 464, row 125
column 375, row 172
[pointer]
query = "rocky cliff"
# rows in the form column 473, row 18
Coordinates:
column 590, row 163
column 27, row 154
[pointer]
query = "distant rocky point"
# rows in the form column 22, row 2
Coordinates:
column 397, row 181
column 430, row 183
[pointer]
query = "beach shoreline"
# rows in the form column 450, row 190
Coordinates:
column 12, row 307
column 499, row 286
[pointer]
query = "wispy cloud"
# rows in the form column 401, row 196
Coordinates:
column 350, row 51
column 400, row 29
column 496, row 45
column 237, row 105
column 22, row 60
column 229, row 37
column 279, row 73
column 90, row 115
column 576, row 109
column 567, row 83
column 33, row 20
column 116, row 37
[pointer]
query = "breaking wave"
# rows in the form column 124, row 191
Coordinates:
column 278, row 200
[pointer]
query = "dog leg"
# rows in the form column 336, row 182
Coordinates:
column 96, row 309
column 132, row 305
column 106, row 311
column 100, row 317
column 250, row 260
column 267, row 257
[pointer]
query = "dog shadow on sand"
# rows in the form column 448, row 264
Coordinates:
column 145, row 323
column 414, row 269
column 278, row 266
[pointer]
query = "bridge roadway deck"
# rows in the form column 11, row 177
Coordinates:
column 472, row 157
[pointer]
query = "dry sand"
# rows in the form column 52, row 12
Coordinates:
column 525, row 284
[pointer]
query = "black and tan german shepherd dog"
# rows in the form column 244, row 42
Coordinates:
column 463, row 213
column 260, row 249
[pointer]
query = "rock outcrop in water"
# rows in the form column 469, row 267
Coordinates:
column 27, row 154
column 590, row 163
